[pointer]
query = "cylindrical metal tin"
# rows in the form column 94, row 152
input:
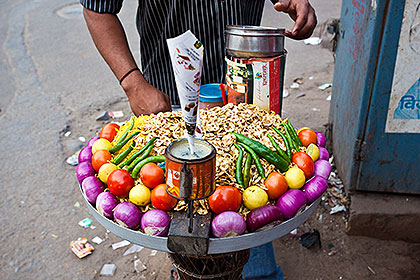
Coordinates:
column 203, row 169
column 255, row 62
column 253, row 41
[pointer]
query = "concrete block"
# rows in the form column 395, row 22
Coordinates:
column 385, row 216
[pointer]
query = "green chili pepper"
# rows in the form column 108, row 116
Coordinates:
column 140, row 158
column 126, row 132
column 294, row 134
column 238, row 170
column 139, row 152
column 143, row 162
column 292, row 143
column 123, row 155
column 264, row 152
column 121, row 144
column 256, row 159
column 278, row 149
column 286, row 143
column 247, row 170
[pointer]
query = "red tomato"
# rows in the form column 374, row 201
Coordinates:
column 276, row 185
column 225, row 198
column 307, row 136
column 109, row 131
column 161, row 199
column 304, row 162
column 99, row 158
column 120, row 182
column 151, row 175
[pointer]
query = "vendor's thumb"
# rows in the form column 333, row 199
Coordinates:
column 282, row 5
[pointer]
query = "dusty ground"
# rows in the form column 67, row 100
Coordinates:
column 53, row 81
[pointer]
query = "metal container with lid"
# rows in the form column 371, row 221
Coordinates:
column 254, row 41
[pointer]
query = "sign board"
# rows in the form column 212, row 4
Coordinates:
column 404, row 105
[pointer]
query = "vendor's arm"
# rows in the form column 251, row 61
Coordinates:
column 302, row 13
column 110, row 40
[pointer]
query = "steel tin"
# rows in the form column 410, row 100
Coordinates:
column 204, row 171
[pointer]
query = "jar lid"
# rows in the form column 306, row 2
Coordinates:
column 210, row 93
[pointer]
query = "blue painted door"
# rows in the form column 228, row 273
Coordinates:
column 368, row 158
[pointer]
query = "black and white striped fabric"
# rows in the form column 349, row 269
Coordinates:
column 158, row 20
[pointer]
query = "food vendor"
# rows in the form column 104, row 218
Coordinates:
column 152, row 89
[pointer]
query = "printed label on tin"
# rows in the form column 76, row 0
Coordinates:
column 203, row 178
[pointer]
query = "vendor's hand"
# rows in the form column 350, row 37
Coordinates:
column 144, row 98
column 302, row 13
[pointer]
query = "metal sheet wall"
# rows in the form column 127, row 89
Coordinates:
column 367, row 158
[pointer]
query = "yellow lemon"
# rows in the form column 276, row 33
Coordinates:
column 105, row 170
column 254, row 197
column 295, row 178
column 305, row 127
column 313, row 151
column 139, row 195
column 101, row 144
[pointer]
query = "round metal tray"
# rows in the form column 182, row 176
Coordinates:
column 216, row 245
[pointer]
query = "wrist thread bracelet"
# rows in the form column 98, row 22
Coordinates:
column 128, row 73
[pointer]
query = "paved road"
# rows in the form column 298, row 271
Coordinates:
column 53, row 81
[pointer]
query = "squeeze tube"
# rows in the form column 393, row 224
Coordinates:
column 186, row 53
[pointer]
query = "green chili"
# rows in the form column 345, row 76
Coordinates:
column 238, row 170
column 143, row 162
column 126, row 132
column 255, row 158
column 278, row 149
column 121, row 144
column 123, row 155
column 247, row 170
column 286, row 143
column 294, row 133
column 140, row 158
column 264, row 152
column 292, row 143
column 139, row 152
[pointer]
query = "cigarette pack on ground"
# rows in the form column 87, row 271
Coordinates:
column 256, row 81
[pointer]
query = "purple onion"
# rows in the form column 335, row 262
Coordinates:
column 105, row 203
column 127, row 214
column 228, row 224
column 92, row 187
column 314, row 188
column 323, row 154
column 155, row 222
column 320, row 139
column 85, row 154
column 92, row 140
column 290, row 202
column 262, row 216
column 322, row 168
column 84, row 170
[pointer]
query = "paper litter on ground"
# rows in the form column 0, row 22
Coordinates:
column 97, row 240
column 85, row 223
column 337, row 208
column 294, row 85
column 133, row 249
column 108, row 269
column 120, row 244
column 139, row 266
column 81, row 248
column 325, row 86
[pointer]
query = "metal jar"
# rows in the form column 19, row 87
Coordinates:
column 203, row 170
column 254, row 41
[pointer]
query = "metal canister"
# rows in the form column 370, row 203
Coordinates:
column 202, row 166
column 255, row 63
